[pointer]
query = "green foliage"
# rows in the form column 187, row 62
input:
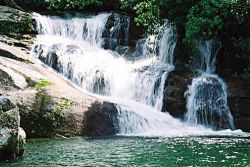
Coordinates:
column 128, row 5
column 211, row 18
column 72, row 4
column 147, row 13
column 243, row 44
column 175, row 10
column 47, row 121
column 246, row 74
column 236, row 10
column 64, row 104
column 204, row 20
column 42, row 84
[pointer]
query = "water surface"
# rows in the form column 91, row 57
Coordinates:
column 132, row 151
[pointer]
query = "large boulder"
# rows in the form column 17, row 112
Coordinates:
column 175, row 87
column 101, row 120
column 207, row 103
column 45, row 115
column 12, row 137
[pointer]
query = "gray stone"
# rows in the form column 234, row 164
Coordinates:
column 12, row 137
column 15, row 21
column 101, row 120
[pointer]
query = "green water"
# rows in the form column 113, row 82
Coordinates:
column 122, row 151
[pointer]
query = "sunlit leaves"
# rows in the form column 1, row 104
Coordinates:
column 72, row 4
column 147, row 13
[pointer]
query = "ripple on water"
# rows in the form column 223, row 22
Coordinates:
column 128, row 151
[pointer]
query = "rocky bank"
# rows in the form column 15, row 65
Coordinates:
column 37, row 100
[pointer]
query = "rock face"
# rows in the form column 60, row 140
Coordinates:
column 12, row 137
column 15, row 22
column 101, row 120
column 18, row 29
column 227, row 65
column 116, row 31
column 239, row 100
column 55, row 109
column 175, row 87
column 177, row 84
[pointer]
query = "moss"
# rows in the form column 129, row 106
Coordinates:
column 47, row 118
column 10, row 119
column 42, row 83
column 11, row 28
column 15, row 22
column 64, row 104
column 26, row 61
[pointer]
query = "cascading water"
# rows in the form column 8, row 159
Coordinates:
column 89, row 29
column 207, row 95
column 75, row 47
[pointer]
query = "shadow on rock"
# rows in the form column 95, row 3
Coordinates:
column 100, row 120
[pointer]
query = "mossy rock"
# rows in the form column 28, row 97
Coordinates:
column 10, row 119
column 12, row 137
column 15, row 22
column 12, row 142
column 46, row 117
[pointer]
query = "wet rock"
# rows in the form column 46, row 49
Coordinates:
column 135, row 32
column 175, row 87
column 52, row 58
column 12, row 143
column 100, row 120
column 122, row 49
column 54, row 110
column 50, row 55
column 116, row 31
column 207, row 103
column 231, row 61
column 44, row 114
column 8, row 54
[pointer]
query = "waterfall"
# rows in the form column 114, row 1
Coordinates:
column 207, row 95
column 83, row 50
column 149, row 84
column 88, row 29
